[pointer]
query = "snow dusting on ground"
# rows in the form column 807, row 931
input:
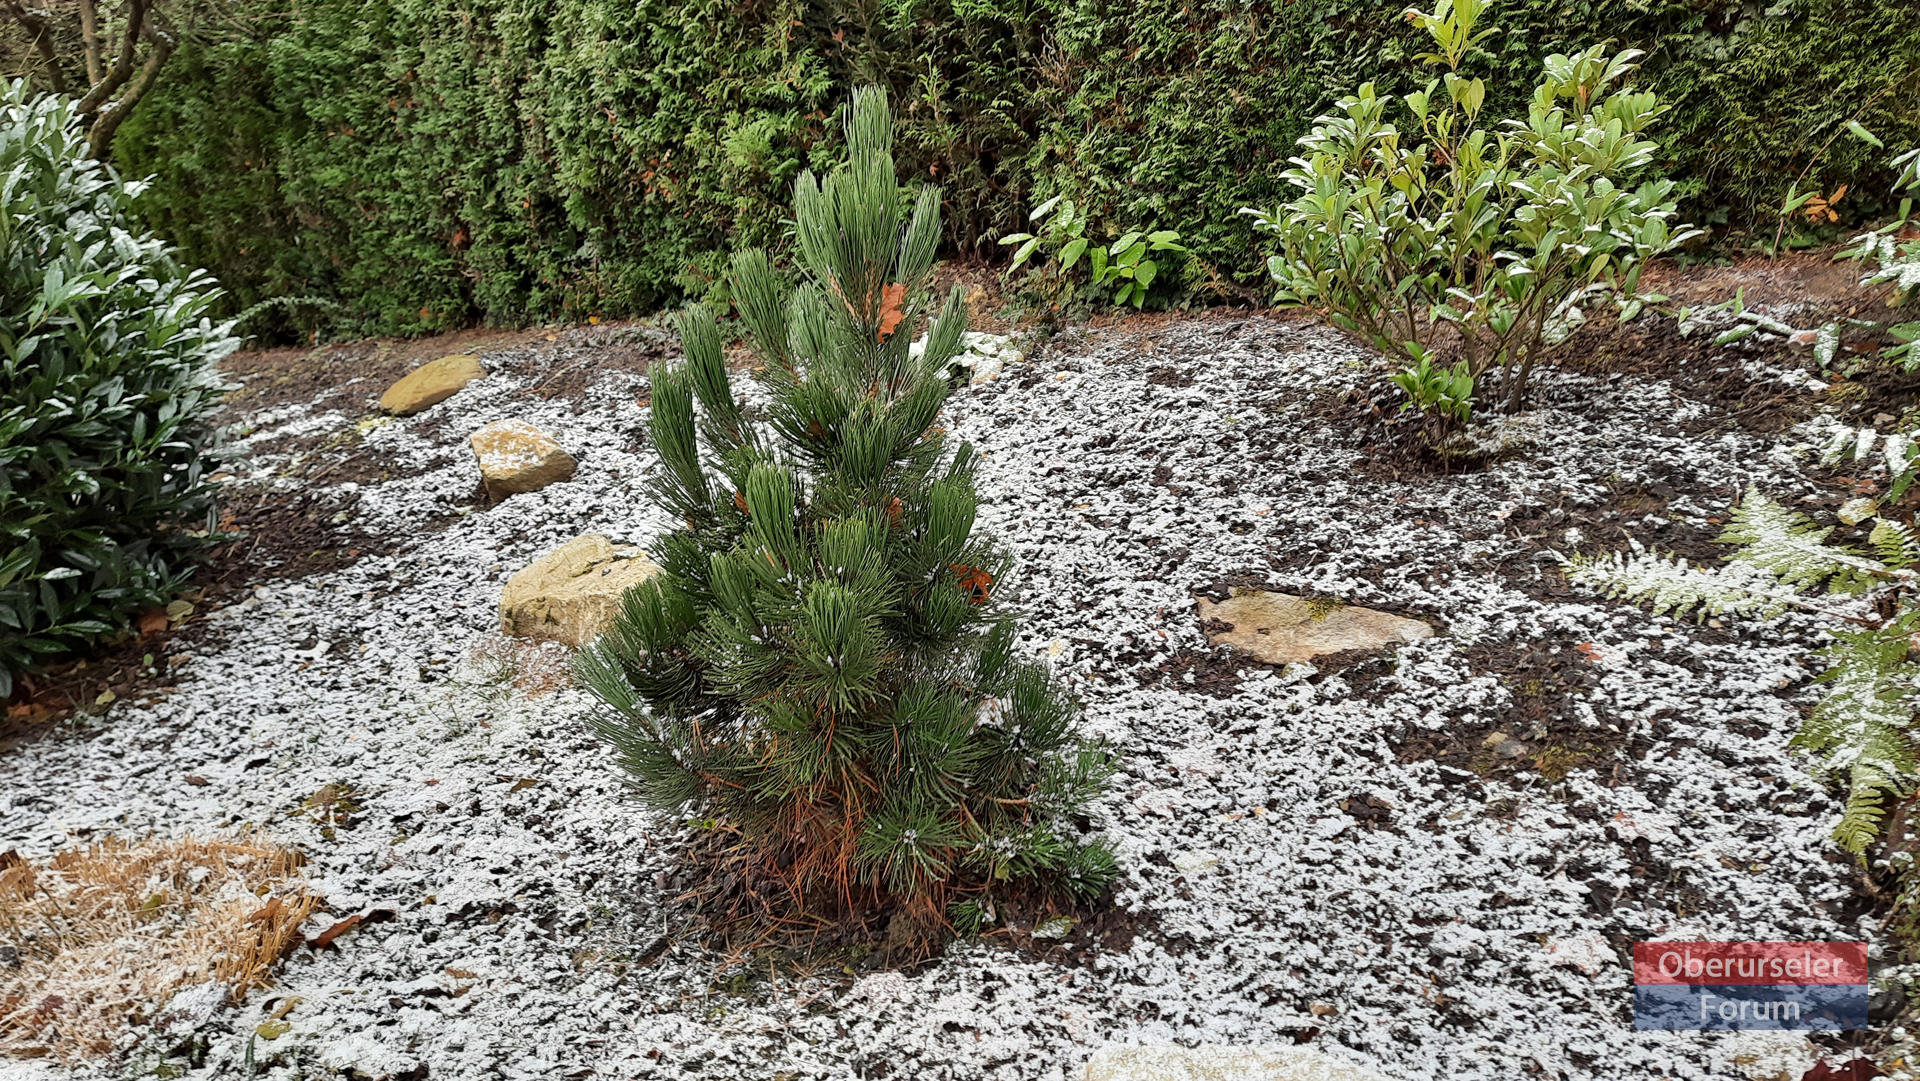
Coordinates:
column 1290, row 873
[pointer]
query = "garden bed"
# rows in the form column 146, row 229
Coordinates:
column 1344, row 857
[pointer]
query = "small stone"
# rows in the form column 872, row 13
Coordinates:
column 1219, row 1062
column 1803, row 338
column 516, row 457
column 1881, row 420
column 1280, row 628
column 1054, row 927
column 1190, row 863
column 1760, row 1055
column 1855, row 511
column 430, row 384
column 1589, row 952
column 571, row 594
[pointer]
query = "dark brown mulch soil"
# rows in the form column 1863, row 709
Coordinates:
column 1216, row 672
column 1394, row 446
column 279, row 535
column 138, row 667
column 1538, row 728
column 732, row 903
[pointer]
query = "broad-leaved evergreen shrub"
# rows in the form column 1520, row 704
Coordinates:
column 827, row 662
column 1488, row 238
column 106, row 380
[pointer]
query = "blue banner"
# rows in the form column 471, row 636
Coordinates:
column 1750, row 1006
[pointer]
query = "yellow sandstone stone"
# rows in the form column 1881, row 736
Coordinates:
column 571, row 594
column 430, row 384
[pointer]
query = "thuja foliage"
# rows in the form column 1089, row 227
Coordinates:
column 106, row 380
column 826, row 663
column 1427, row 223
column 1861, row 730
column 430, row 163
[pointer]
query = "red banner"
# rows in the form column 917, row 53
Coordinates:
column 1724, row 963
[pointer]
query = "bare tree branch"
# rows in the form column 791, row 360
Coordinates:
column 35, row 24
column 90, row 38
column 112, row 115
column 122, row 69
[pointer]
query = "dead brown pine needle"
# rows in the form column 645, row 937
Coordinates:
column 106, row 933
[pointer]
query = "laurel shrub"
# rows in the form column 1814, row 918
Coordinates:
column 106, row 381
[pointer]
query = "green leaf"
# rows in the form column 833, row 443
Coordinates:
column 1863, row 134
column 1070, row 254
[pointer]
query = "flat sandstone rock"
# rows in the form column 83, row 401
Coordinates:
column 1280, row 628
column 430, row 384
column 571, row 594
column 516, row 457
column 1260, row 1062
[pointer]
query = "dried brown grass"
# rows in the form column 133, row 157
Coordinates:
column 530, row 667
column 105, row 934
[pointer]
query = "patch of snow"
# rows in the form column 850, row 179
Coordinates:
column 535, row 903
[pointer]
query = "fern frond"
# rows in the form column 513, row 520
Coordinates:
column 1794, row 550
column 1674, row 585
column 1898, row 547
column 1860, row 821
column 1859, row 728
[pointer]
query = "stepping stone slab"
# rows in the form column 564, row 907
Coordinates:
column 1280, row 628
column 517, row 457
column 1264, row 1062
column 572, row 594
column 430, row 384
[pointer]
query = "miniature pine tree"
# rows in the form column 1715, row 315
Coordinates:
column 826, row 662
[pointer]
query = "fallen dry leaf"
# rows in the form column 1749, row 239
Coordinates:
column 893, row 300
column 976, row 582
column 324, row 939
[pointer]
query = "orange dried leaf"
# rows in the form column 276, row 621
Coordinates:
column 893, row 301
column 975, row 582
column 740, row 500
column 325, row 938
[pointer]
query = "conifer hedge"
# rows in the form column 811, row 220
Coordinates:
column 431, row 163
